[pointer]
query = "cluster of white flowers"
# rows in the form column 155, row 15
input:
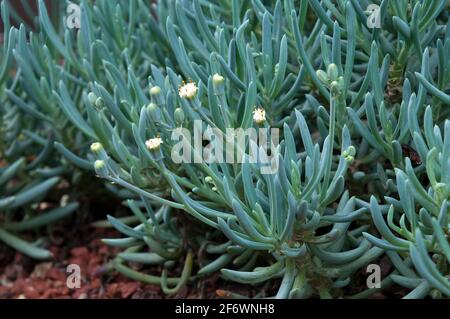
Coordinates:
column 154, row 143
column 259, row 115
column 188, row 90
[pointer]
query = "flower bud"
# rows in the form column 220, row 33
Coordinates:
column 179, row 115
column 100, row 168
column 218, row 79
column 96, row 148
column 99, row 102
column 152, row 108
column 333, row 72
column 156, row 95
column 218, row 84
column 335, row 88
column 441, row 192
column 350, row 151
column 92, row 98
column 155, row 90
column 323, row 77
column 99, row 164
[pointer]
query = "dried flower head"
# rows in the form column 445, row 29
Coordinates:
column 188, row 90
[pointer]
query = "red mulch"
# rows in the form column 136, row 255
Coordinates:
column 22, row 277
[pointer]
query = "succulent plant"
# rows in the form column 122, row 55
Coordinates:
column 359, row 106
column 18, row 193
column 27, row 172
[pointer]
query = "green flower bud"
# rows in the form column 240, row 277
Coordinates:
column 323, row 77
column 441, row 192
column 156, row 95
column 335, row 88
column 218, row 84
column 333, row 72
column 92, row 98
column 209, row 179
column 179, row 115
column 155, row 90
column 99, row 164
column 100, row 168
column 349, row 159
column 218, row 79
column 152, row 108
column 440, row 187
column 99, row 103
column 96, row 148
column 350, row 151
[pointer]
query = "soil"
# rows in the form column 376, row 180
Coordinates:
column 24, row 278
column 76, row 242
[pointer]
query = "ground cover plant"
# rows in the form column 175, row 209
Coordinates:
column 160, row 103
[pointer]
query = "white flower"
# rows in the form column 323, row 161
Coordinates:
column 188, row 90
column 154, row 143
column 259, row 115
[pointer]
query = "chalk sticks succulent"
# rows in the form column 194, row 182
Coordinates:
column 362, row 112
